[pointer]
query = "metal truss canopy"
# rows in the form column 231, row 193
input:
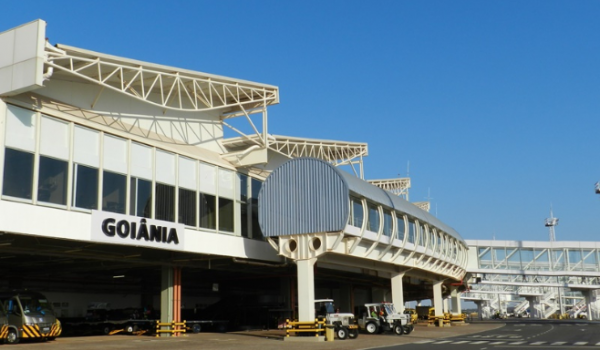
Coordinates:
column 163, row 86
column 398, row 186
column 336, row 153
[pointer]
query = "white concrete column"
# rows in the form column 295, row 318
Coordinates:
column 437, row 299
column 455, row 297
column 306, row 289
column 588, row 296
column 479, row 309
column 446, row 305
column 398, row 292
column 166, row 296
column 533, row 310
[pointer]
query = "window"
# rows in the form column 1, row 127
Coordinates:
column 52, row 181
column 373, row 223
column 401, row 227
column 140, row 197
column 208, row 210
column 357, row 212
column 18, row 174
column 85, row 183
column 411, row 231
column 387, row 223
column 244, row 206
column 165, row 202
column 255, row 187
column 225, row 214
column 114, row 188
column 187, row 207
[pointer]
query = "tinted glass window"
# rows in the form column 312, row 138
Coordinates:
column 207, row 210
column 52, row 181
column 187, row 207
column 141, row 197
column 225, row 214
column 86, row 187
column 18, row 174
column 114, row 188
column 165, row 202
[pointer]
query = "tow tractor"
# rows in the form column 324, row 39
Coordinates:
column 344, row 323
column 376, row 318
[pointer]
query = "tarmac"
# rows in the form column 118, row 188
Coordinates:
column 251, row 340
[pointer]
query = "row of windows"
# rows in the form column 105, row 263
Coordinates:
column 407, row 229
column 539, row 258
column 121, row 176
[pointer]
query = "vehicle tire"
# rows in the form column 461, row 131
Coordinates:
column 398, row 329
column 353, row 333
column 372, row 328
column 196, row 328
column 106, row 330
column 409, row 329
column 341, row 332
column 13, row 337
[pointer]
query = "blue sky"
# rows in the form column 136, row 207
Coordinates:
column 495, row 104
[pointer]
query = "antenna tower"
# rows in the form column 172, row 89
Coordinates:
column 550, row 223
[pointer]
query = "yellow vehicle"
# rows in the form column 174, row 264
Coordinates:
column 413, row 315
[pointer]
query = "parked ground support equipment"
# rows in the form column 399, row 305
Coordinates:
column 174, row 328
column 315, row 327
column 30, row 316
column 344, row 323
column 382, row 317
column 3, row 324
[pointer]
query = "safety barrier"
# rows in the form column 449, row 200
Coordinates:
column 304, row 327
column 175, row 327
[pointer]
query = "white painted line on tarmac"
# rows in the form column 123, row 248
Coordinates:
column 559, row 343
column 517, row 343
column 461, row 342
column 538, row 343
column 481, row 342
column 580, row 343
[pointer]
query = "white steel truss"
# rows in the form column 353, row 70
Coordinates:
column 398, row 186
column 163, row 86
column 337, row 153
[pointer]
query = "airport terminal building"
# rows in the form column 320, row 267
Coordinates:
column 119, row 186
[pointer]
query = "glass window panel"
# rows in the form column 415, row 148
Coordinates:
column 422, row 236
column 589, row 260
column 54, row 138
column 226, row 183
column 141, row 161
column 411, row 231
column 141, row 198
column 187, row 207
column 513, row 259
column 85, row 195
column 387, row 223
column 208, row 210
column 357, row 212
column 575, row 259
column 114, row 189
column 86, row 145
column 208, row 178
column 499, row 255
column 20, row 128
column 164, row 207
column 244, row 206
column 225, row 214
column 18, row 174
column 256, row 231
column 373, row 223
column 165, row 167
column 52, row 181
column 401, row 227
column 558, row 259
column 188, row 173
column 115, row 154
